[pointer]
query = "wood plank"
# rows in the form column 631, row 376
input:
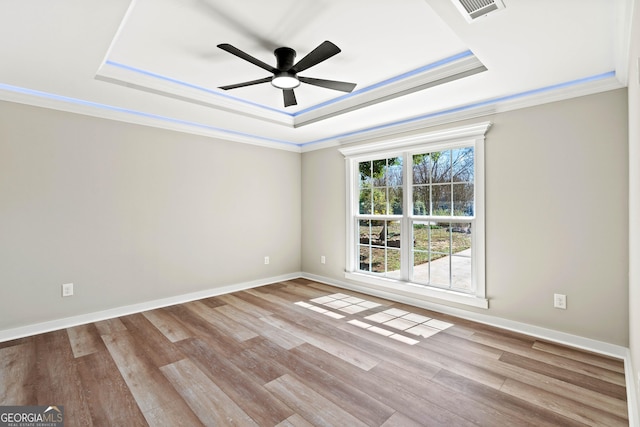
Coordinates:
column 222, row 323
column 239, row 385
column 85, row 339
column 553, row 385
column 204, row 397
column 412, row 406
column 170, row 326
column 153, row 393
column 58, row 382
column 503, row 402
column 521, row 348
column 295, row 420
column 339, row 390
column 344, row 351
column 243, row 305
column 156, row 347
column 310, row 405
column 109, row 399
column 282, row 338
column 458, row 345
column 400, row 420
column 110, row 326
column 201, row 329
column 554, row 371
column 17, row 385
column 562, row 405
column 476, row 412
column 610, row 363
column 426, row 358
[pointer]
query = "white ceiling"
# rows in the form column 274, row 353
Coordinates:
column 415, row 62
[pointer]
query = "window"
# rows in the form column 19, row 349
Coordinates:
column 416, row 215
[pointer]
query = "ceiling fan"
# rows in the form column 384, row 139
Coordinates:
column 285, row 73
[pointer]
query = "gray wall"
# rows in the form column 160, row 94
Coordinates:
column 570, row 156
column 131, row 214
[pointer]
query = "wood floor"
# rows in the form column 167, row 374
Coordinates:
column 300, row 353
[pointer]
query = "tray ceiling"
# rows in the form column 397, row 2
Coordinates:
column 415, row 62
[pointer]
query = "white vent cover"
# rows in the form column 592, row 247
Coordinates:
column 473, row 9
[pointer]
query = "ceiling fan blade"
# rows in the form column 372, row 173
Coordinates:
column 243, row 84
column 329, row 84
column 289, row 97
column 325, row 51
column 240, row 54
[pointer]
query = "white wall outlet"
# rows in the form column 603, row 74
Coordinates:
column 67, row 289
column 266, row 260
column 560, row 301
column 323, row 260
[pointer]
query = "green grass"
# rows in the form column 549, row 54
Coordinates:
column 441, row 240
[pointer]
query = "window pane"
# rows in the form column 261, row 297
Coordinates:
column 439, row 270
column 461, row 238
column 421, row 267
column 379, row 201
column 421, row 200
column 364, row 229
column 393, row 263
column 365, row 258
column 462, row 164
column 462, row 199
column 461, row 273
column 377, row 260
column 421, row 236
column 365, row 174
column 365, row 201
column 395, row 198
column 440, row 238
column 441, row 170
column 393, row 234
column 394, row 172
column 441, row 199
column 421, row 168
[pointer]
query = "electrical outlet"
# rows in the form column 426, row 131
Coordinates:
column 560, row 301
column 266, row 260
column 323, row 260
column 67, row 289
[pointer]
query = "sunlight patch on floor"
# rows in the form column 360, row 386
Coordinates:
column 389, row 323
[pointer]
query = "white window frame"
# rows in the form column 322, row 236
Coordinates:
column 464, row 136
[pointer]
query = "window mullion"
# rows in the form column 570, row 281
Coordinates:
column 406, row 262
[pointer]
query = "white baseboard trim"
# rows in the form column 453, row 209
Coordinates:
column 571, row 340
column 68, row 322
column 633, row 400
column 524, row 328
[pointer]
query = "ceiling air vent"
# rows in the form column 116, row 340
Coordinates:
column 473, row 9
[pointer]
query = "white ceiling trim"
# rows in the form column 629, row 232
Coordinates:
column 572, row 89
column 439, row 72
column 580, row 87
column 95, row 109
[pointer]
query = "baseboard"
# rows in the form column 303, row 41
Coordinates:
column 571, row 340
column 68, row 322
column 633, row 401
column 524, row 328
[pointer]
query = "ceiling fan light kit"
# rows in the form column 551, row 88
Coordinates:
column 285, row 81
column 285, row 74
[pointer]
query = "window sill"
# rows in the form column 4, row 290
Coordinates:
column 402, row 288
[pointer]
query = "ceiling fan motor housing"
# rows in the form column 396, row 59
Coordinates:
column 285, row 78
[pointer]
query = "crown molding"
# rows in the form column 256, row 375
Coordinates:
column 484, row 108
